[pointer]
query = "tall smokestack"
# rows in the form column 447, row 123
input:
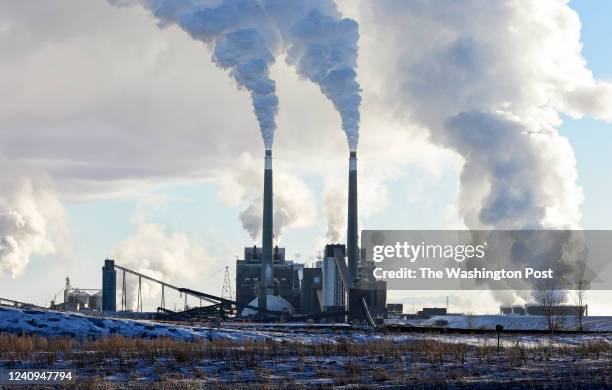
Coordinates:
column 352, row 246
column 266, row 245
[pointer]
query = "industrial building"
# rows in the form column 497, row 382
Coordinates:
column 268, row 285
column 285, row 279
column 428, row 312
column 395, row 309
column 339, row 283
column 79, row 299
column 515, row 309
column 312, row 289
column 542, row 310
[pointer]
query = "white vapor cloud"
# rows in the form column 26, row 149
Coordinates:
column 169, row 256
column 32, row 220
column 488, row 81
column 294, row 205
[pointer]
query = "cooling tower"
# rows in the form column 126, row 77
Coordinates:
column 352, row 235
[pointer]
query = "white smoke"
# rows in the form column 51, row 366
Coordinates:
column 323, row 47
column 32, row 220
column 238, row 33
column 294, row 204
column 334, row 208
column 247, row 35
column 152, row 251
column 373, row 199
column 488, row 80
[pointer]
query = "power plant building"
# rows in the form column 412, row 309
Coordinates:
column 333, row 289
column 341, row 279
column 312, row 290
column 285, row 277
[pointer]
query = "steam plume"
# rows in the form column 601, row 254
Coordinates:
column 241, row 41
column 153, row 251
column 323, row 49
column 32, row 220
column 294, row 204
column 461, row 78
column 333, row 207
column 246, row 35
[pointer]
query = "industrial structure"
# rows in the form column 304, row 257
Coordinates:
column 269, row 286
column 78, row 299
column 544, row 310
column 367, row 296
column 340, row 282
column 284, row 280
column 265, row 286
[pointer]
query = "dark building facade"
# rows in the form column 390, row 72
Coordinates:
column 428, row 312
column 109, row 286
column 311, row 290
column 285, row 277
column 395, row 308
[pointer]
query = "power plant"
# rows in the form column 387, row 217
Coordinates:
column 339, row 284
column 269, row 286
column 333, row 286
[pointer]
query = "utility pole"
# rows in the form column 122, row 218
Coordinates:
column 227, row 286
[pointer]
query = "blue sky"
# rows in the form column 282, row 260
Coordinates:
column 592, row 139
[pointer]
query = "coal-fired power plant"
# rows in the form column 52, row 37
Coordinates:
column 338, row 285
column 269, row 286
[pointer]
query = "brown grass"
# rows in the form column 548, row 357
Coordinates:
column 382, row 361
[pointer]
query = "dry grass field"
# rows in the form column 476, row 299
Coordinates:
column 117, row 362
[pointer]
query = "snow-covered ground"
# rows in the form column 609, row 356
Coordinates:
column 512, row 322
column 53, row 323
column 402, row 359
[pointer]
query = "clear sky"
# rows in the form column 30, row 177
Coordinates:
column 186, row 183
column 591, row 139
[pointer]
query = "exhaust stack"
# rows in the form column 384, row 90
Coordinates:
column 266, row 245
column 352, row 235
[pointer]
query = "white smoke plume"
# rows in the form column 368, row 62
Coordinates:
column 373, row 199
column 489, row 80
column 247, row 35
column 323, row 47
column 152, row 251
column 334, row 207
column 32, row 220
column 294, row 204
column 238, row 33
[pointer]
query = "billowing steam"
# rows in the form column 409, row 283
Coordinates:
column 461, row 78
column 488, row 80
column 294, row 204
column 334, row 207
column 323, row 49
column 373, row 199
column 237, row 32
column 167, row 256
column 32, row 220
column 246, row 35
